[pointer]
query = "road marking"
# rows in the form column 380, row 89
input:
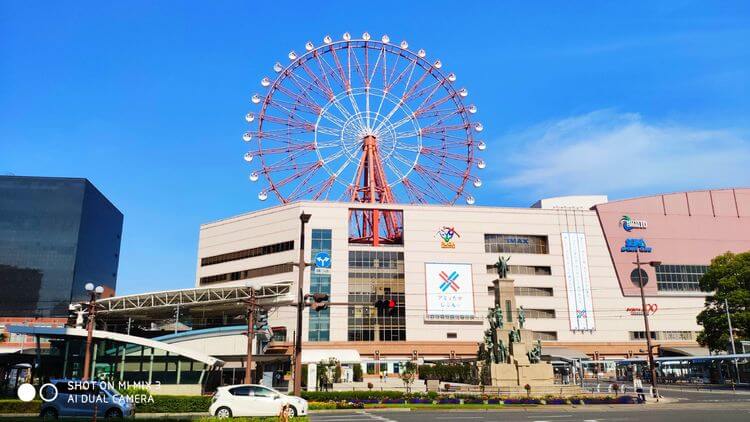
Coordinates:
column 460, row 417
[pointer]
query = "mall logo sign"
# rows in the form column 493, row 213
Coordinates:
column 635, row 245
column 449, row 281
column 628, row 224
column 446, row 235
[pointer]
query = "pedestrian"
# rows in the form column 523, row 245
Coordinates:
column 638, row 387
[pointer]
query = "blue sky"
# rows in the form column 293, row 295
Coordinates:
column 147, row 98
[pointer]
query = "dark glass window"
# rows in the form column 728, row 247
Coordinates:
column 248, row 253
column 515, row 243
column 679, row 278
column 249, row 273
column 539, row 313
column 523, row 269
column 533, row 291
column 56, row 235
column 376, row 278
column 320, row 282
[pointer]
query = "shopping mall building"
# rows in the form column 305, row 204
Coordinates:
column 426, row 292
column 419, row 290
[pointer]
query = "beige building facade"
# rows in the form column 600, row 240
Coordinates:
column 427, row 295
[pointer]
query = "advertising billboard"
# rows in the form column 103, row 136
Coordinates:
column 450, row 289
column 578, row 284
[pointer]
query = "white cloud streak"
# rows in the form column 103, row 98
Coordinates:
column 617, row 153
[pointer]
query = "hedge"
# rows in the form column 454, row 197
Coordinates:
column 18, row 406
column 355, row 395
column 175, row 404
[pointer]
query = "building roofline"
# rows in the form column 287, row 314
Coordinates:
column 672, row 193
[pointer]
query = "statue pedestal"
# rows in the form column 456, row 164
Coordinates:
column 519, row 371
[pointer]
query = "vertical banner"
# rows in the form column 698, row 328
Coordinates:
column 577, row 281
column 450, row 289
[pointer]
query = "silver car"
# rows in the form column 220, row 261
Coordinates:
column 254, row 400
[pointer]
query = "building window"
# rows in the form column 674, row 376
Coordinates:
column 246, row 274
column 451, row 335
column 320, row 322
column 545, row 335
column 279, row 334
column 663, row 335
column 515, row 243
column 641, row 335
column 533, row 291
column 389, row 229
column 539, row 313
column 376, row 278
column 679, row 278
column 248, row 253
column 523, row 270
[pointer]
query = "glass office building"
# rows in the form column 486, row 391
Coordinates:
column 56, row 235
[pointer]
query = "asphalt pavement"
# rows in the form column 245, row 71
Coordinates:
column 647, row 413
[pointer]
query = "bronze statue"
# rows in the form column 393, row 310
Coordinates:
column 535, row 354
column 521, row 316
column 502, row 267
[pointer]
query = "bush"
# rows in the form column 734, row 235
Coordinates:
column 351, row 395
column 175, row 404
column 465, row 373
column 18, row 406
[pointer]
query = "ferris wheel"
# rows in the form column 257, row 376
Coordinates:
column 363, row 120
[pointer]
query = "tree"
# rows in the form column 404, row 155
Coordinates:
column 408, row 375
column 728, row 278
column 357, row 372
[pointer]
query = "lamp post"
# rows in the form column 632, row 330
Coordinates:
column 94, row 292
column 301, row 264
column 651, row 363
column 250, row 307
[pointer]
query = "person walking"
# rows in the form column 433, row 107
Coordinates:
column 638, row 387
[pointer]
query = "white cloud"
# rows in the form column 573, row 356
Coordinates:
column 608, row 152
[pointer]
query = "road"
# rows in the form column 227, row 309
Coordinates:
column 648, row 413
column 686, row 405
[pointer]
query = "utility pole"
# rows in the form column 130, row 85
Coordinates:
column 250, row 306
column 301, row 264
column 651, row 363
column 731, row 339
column 93, row 293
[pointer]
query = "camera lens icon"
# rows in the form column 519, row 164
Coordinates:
column 47, row 392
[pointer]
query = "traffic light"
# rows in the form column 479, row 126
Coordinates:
column 319, row 302
column 261, row 320
column 385, row 305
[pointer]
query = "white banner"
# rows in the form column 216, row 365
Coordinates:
column 578, row 283
column 450, row 289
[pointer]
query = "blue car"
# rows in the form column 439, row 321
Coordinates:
column 68, row 397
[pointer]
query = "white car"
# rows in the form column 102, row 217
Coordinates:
column 254, row 400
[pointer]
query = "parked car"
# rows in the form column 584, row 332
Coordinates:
column 68, row 397
column 254, row 400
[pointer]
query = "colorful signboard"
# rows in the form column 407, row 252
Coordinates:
column 635, row 245
column 628, row 224
column 577, row 281
column 446, row 235
column 450, row 289
column 322, row 263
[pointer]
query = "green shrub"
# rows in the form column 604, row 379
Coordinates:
column 175, row 404
column 18, row 406
column 323, row 396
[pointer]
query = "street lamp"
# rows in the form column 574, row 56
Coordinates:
column 651, row 363
column 94, row 292
column 301, row 264
column 250, row 305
